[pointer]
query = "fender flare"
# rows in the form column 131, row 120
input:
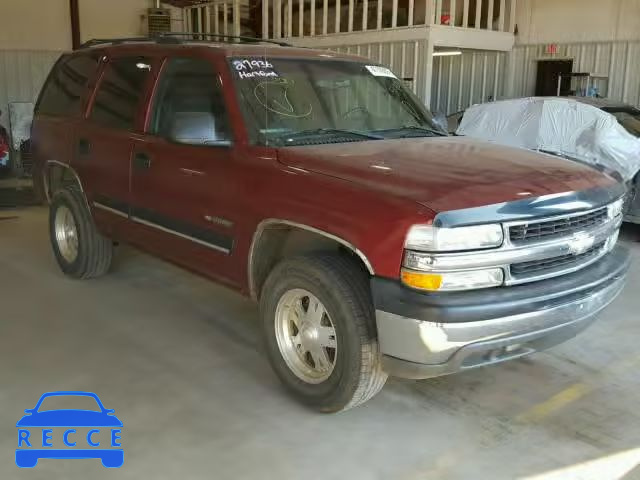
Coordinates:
column 45, row 179
column 262, row 226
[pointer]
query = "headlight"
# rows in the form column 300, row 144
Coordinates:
column 433, row 239
column 450, row 281
column 615, row 208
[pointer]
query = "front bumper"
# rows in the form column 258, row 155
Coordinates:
column 427, row 335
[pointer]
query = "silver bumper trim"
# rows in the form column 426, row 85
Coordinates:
column 419, row 349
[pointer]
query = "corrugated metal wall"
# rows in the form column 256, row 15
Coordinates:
column 458, row 81
column 22, row 73
column 405, row 58
column 463, row 80
column 619, row 60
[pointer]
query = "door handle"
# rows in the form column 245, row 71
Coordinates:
column 141, row 161
column 84, row 146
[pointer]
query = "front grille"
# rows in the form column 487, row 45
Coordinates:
column 546, row 230
column 548, row 265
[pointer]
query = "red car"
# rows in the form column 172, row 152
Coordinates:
column 320, row 186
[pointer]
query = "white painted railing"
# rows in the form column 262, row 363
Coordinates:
column 310, row 18
column 304, row 18
column 222, row 17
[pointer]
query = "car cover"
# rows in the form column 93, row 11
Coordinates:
column 556, row 125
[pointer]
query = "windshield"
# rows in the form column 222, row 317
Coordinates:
column 290, row 102
column 629, row 119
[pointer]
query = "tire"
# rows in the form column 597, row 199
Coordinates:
column 343, row 290
column 93, row 251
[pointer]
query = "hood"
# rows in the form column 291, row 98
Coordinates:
column 448, row 173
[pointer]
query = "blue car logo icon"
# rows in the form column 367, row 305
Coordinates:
column 36, row 433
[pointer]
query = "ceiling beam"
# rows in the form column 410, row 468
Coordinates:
column 74, row 14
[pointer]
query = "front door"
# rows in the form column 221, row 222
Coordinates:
column 182, row 171
column 104, row 141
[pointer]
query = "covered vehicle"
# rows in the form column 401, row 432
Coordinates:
column 564, row 127
column 627, row 115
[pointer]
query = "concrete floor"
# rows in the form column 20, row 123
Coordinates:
column 178, row 358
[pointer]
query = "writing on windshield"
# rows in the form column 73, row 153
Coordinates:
column 286, row 100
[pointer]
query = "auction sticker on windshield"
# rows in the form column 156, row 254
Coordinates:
column 378, row 71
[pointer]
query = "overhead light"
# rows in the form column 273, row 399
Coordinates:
column 447, row 53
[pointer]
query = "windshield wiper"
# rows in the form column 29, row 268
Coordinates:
column 313, row 132
column 411, row 130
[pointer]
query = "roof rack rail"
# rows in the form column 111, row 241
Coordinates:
column 179, row 37
column 227, row 38
column 116, row 41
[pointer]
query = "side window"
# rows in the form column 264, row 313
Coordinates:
column 189, row 107
column 65, row 87
column 120, row 91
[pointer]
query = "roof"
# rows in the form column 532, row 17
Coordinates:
column 595, row 102
column 244, row 47
column 602, row 102
column 276, row 51
column 185, row 3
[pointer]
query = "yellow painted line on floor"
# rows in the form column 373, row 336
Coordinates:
column 573, row 392
column 556, row 402
column 441, row 465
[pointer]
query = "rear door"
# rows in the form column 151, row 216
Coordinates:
column 182, row 171
column 105, row 140
column 60, row 108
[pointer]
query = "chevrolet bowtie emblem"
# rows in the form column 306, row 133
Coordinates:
column 580, row 243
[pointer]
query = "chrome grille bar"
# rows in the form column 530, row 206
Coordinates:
column 566, row 251
column 539, row 230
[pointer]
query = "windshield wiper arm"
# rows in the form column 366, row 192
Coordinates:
column 416, row 128
column 329, row 131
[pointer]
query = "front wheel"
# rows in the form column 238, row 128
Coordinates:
column 319, row 328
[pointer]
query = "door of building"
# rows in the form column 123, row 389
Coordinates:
column 547, row 79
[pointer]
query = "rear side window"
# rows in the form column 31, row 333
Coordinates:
column 189, row 106
column 120, row 92
column 66, row 86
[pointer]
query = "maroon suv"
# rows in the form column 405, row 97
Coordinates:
column 320, row 186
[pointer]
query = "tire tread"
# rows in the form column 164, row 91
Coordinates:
column 96, row 253
column 352, row 285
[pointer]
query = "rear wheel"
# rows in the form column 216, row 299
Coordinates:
column 319, row 328
column 81, row 251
